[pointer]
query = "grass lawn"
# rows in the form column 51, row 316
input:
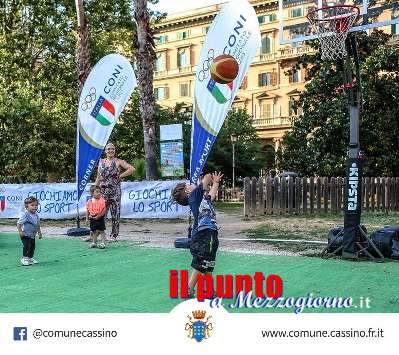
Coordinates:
column 311, row 227
column 128, row 277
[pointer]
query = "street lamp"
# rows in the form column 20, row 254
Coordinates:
column 233, row 138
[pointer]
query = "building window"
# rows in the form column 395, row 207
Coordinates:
column 266, row 110
column 295, row 76
column 182, row 58
column 160, row 63
column 161, row 93
column 299, row 32
column 267, row 18
column 162, row 39
column 267, row 79
column 185, row 89
column 292, row 110
column 205, row 30
column 182, row 35
column 297, row 12
column 266, row 44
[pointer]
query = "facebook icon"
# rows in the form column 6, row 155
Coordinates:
column 20, row 333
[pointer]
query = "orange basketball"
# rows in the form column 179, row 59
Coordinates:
column 224, row 69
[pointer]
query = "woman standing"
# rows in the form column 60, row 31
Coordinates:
column 109, row 178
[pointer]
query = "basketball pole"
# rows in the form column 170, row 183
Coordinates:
column 354, row 168
column 353, row 234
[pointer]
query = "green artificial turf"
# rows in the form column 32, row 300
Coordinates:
column 129, row 277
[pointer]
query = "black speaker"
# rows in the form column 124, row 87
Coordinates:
column 335, row 241
column 382, row 238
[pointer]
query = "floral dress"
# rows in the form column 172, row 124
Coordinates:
column 110, row 184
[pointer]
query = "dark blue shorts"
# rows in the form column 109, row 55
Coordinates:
column 97, row 224
column 203, row 247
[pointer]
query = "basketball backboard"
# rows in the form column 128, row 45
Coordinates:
column 294, row 26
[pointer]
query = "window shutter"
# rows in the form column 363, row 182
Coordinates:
column 263, row 110
column 268, row 79
column 244, row 83
column 166, row 92
column 260, row 80
column 178, row 58
column 167, row 61
column 192, row 57
column 303, row 75
column 274, row 79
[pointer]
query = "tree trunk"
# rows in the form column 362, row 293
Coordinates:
column 82, row 46
column 144, row 52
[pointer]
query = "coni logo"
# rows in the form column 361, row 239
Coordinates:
column 20, row 333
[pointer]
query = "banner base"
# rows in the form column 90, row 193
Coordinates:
column 362, row 246
column 182, row 243
column 78, row 232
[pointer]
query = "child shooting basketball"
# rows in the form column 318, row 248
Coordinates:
column 204, row 237
column 95, row 215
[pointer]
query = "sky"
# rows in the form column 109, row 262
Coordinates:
column 173, row 6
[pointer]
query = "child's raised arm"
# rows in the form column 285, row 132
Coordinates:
column 206, row 181
column 216, row 178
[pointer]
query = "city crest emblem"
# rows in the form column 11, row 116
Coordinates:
column 198, row 328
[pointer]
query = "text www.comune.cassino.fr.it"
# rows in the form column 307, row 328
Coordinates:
column 332, row 333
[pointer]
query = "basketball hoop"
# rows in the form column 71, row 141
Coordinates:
column 331, row 25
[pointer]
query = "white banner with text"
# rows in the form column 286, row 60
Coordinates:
column 144, row 199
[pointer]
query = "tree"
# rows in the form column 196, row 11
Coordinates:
column 250, row 158
column 144, row 46
column 82, row 45
column 38, row 87
column 318, row 142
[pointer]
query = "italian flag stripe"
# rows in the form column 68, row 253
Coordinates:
column 217, row 94
column 105, row 117
column 107, row 105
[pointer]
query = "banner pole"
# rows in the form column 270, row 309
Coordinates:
column 77, row 216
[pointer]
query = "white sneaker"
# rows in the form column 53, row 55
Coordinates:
column 25, row 261
column 93, row 245
column 33, row 261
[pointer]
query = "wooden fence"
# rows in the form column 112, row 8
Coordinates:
column 227, row 194
column 315, row 195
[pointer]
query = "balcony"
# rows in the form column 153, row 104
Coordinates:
column 283, row 54
column 174, row 72
column 160, row 73
column 274, row 121
column 187, row 69
column 295, row 51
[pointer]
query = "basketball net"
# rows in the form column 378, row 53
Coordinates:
column 331, row 25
